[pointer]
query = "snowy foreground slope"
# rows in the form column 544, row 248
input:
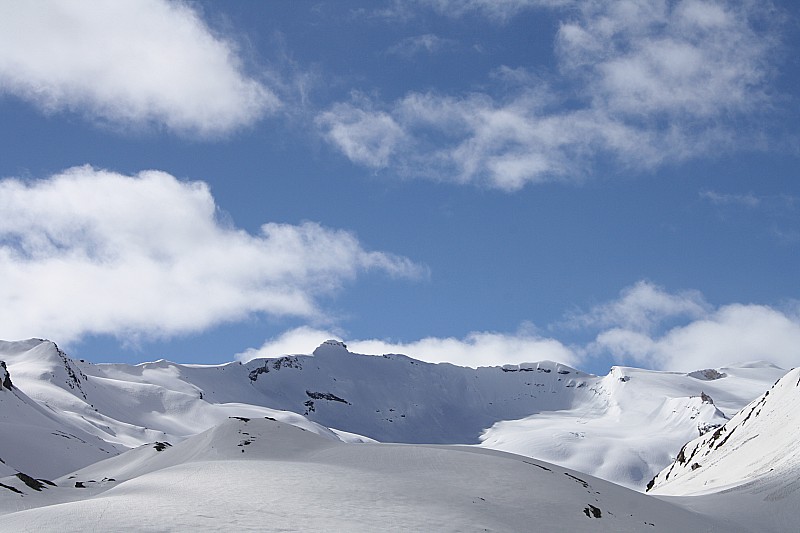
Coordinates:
column 623, row 427
column 747, row 471
column 261, row 474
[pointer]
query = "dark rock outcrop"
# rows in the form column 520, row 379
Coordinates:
column 5, row 378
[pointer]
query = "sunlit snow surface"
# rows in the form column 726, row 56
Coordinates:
column 748, row 471
column 631, row 422
column 263, row 475
column 286, row 443
column 623, row 427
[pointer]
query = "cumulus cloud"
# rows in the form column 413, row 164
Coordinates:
column 692, row 59
column 642, row 307
column 730, row 334
column 654, row 82
column 301, row 340
column 128, row 62
column 645, row 326
column 651, row 327
column 475, row 349
column 89, row 251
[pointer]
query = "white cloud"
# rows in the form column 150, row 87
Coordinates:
column 655, row 82
column 127, row 62
column 717, row 198
column 646, row 326
column 693, row 59
column 95, row 252
column 681, row 331
column 365, row 136
column 427, row 43
column 733, row 333
column 642, row 307
column 475, row 349
column 302, row 340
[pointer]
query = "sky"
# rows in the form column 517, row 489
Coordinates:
column 478, row 182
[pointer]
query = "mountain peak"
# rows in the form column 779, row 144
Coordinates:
column 330, row 346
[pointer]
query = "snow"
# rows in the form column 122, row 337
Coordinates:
column 288, row 479
column 33, row 438
column 79, row 413
column 623, row 427
column 290, row 443
column 632, row 422
column 748, row 471
column 757, row 443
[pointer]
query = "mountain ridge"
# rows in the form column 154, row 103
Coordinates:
column 543, row 409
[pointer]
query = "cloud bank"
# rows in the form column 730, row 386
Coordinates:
column 90, row 251
column 649, row 326
column 475, row 349
column 646, row 326
column 648, row 83
column 128, row 63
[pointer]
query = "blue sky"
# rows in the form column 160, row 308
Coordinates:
column 473, row 181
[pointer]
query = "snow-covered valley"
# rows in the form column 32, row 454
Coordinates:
column 289, row 443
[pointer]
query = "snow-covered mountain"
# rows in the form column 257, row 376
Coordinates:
column 289, row 440
column 747, row 470
column 260, row 474
column 623, row 427
column 33, row 436
column 763, row 438
column 61, row 414
column 629, row 423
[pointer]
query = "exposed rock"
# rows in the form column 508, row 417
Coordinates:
column 709, row 374
column 5, row 378
column 327, row 396
column 592, row 511
column 35, row 484
column 161, row 446
column 75, row 376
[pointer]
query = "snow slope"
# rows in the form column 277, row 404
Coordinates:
column 761, row 439
column 260, row 474
column 624, row 427
column 78, row 413
column 634, row 421
column 394, row 398
column 749, row 469
column 33, row 439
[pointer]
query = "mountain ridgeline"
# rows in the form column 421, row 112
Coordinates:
column 394, row 398
column 623, row 427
